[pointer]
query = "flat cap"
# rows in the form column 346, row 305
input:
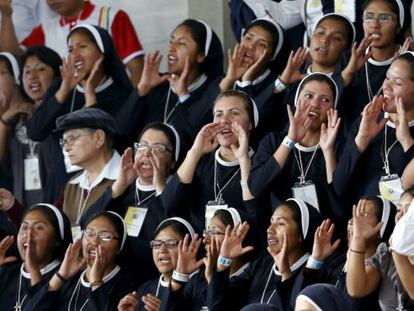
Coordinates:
column 92, row 118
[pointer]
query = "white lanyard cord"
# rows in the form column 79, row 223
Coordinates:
column 19, row 302
column 265, row 289
column 167, row 116
column 304, row 172
column 138, row 201
column 216, row 184
column 369, row 88
column 385, row 156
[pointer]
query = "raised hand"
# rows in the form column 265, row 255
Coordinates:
column 129, row 302
column 241, row 150
column 187, row 261
column 256, row 68
column 292, row 73
column 6, row 199
column 127, row 174
column 150, row 74
column 13, row 111
column 369, row 126
column 5, row 244
column 362, row 223
column 31, row 262
column 160, row 171
column 213, row 251
column 231, row 247
column 357, row 60
column 180, row 83
column 98, row 267
column 151, row 303
column 237, row 67
column 329, row 131
column 73, row 262
column 402, row 131
column 298, row 122
column 6, row 7
column 92, row 83
column 322, row 245
column 206, row 140
column 69, row 74
column 281, row 258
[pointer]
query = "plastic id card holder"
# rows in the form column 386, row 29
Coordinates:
column 32, row 173
column 211, row 208
column 306, row 192
column 134, row 219
column 390, row 188
column 76, row 233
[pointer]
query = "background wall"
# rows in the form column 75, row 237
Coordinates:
column 155, row 19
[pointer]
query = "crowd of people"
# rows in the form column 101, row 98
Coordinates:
column 282, row 182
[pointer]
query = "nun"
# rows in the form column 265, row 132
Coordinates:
column 253, row 67
column 42, row 239
column 300, row 163
column 210, row 176
column 182, row 96
column 275, row 277
column 92, row 76
column 319, row 297
column 103, row 283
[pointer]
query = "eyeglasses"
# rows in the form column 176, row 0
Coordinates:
column 382, row 18
column 170, row 244
column 212, row 233
column 71, row 139
column 103, row 235
column 145, row 147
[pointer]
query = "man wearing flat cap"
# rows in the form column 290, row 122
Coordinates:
column 87, row 139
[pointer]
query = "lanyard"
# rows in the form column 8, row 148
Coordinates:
column 167, row 101
column 32, row 146
column 304, row 172
column 138, row 201
column 19, row 301
column 76, row 291
column 369, row 89
column 82, row 204
column 265, row 289
column 216, row 185
column 385, row 155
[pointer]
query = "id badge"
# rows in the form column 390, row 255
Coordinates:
column 32, row 173
column 69, row 167
column 211, row 208
column 76, row 233
column 307, row 193
column 134, row 219
column 346, row 7
column 390, row 188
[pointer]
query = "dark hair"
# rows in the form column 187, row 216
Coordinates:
column 377, row 203
column 45, row 55
column 393, row 6
column 165, row 129
column 113, row 219
column 408, row 57
column 8, row 65
column 213, row 62
column 177, row 226
column 319, row 78
column 270, row 28
column 344, row 22
column 225, row 217
column 247, row 101
column 62, row 244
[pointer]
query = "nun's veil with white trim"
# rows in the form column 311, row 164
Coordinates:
column 112, row 63
column 209, row 43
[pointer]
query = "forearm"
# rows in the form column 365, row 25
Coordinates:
column 187, row 169
column 5, row 131
column 8, row 38
column 330, row 164
column 135, row 67
column 226, row 84
column 405, row 271
column 282, row 155
column 245, row 167
column 356, row 279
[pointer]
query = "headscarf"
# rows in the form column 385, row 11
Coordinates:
column 324, row 297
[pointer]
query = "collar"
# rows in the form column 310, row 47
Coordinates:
column 148, row 188
column 107, row 83
column 300, row 262
column 84, row 14
column 241, row 270
column 309, row 71
column 392, row 125
column 105, row 279
column 110, row 171
column 306, row 149
column 164, row 283
column 43, row 271
column 377, row 63
column 196, row 84
column 229, row 163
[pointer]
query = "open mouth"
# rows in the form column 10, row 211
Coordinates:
column 172, row 59
column 164, row 260
column 34, row 87
column 271, row 242
column 375, row 36
column 313, row 115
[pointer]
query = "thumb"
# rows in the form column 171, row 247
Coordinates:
column 246, row 249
